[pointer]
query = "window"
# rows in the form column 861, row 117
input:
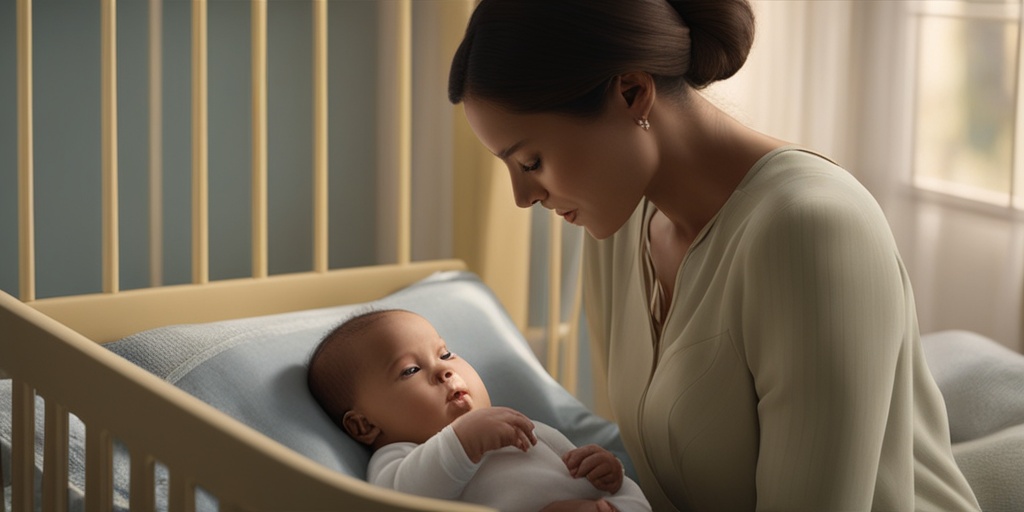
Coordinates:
column 967, row 121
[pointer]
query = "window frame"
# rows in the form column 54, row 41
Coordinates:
column 958, row 193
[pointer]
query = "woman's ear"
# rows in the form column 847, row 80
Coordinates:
column 360, row 428
column 637, row 91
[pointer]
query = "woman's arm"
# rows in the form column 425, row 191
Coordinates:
column 824, row 322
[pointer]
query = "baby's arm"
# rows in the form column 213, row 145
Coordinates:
column 441, row 467
column 437, row 468
column 491, row 428
column 599, row 466
column 627, row 497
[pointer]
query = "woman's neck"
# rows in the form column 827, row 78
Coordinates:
column 703, row 156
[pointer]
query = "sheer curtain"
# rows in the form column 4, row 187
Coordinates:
column 838, row 77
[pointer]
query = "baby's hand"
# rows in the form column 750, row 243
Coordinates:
column 597, row 464
column 580, row 506
column 491, row 428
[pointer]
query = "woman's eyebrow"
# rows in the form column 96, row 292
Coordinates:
column 504, row 154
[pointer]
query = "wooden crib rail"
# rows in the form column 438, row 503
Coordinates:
column 200, row 446
column 105, row 317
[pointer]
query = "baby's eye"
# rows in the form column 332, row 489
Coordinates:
column 530, row 166
column 447, row 355
column 410, row 371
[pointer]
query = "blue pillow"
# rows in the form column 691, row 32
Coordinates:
column 254, row 369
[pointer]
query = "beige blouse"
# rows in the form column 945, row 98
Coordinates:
column 789, row 373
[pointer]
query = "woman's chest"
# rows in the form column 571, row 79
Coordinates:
column 685, row 399
column 667, row 249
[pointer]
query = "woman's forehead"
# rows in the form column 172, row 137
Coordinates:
column 502, row 131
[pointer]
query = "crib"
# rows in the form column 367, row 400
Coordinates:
column 162, row 398
column 68, row 391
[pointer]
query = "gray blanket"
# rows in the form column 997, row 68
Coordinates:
column 982, row 383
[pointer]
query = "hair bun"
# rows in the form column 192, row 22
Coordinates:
column 721, row 35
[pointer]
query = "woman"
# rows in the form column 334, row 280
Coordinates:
column 745, row 297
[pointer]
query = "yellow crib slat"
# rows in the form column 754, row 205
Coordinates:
column 26, row 227
column 570, row 380
column 200, row 146
column 554, row 294
column 259, row 138
column 404, row 69
column 55, row 458
column 182, row 494
column 99, row 470
column 23, row 438
column 320, row 136
column 143, row 491
column 394, row 124
column 156, row 145
column 108, row 106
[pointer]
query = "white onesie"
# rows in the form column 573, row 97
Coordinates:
column 507, row 479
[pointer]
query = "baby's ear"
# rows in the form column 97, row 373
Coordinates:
column 360, row 428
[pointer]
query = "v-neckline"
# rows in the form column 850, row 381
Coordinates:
column 654, row 294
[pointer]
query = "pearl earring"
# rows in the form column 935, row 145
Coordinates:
column 643, row 123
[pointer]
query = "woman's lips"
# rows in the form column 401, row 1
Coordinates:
column 569, row 216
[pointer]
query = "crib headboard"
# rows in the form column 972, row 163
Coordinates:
column 488, row 233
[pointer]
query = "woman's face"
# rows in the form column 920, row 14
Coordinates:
column 591, row 171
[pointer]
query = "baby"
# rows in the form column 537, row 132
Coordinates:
column 388, row 379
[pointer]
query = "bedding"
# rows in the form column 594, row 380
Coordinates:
column 254, row 370
column 982, row 383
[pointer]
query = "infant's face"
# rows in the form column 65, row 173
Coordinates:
column 412, row 386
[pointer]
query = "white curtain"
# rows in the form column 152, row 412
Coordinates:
column 837, row 77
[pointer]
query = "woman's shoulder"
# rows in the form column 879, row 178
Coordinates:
column 805, row 199
column 795, row 181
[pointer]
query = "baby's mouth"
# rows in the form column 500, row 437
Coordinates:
column 458, row 395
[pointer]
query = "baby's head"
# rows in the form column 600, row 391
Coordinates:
column 387, row 376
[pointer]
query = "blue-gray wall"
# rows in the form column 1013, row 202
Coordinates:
column 67, row 140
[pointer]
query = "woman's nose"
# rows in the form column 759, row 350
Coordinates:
column 526, row 191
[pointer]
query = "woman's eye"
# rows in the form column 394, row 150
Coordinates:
column 531, row 166
column 410, row 371
column 447, row 355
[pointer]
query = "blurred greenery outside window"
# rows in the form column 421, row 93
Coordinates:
column 967, row 120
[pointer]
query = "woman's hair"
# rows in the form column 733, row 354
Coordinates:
column 533, row 56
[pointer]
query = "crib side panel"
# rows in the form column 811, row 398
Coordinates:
column 199, row 445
